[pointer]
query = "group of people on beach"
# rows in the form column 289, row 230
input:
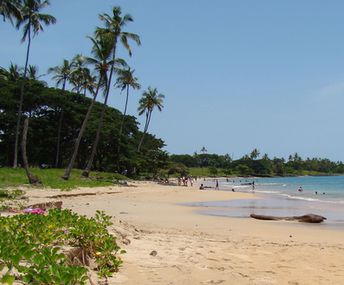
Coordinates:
column 186, row 180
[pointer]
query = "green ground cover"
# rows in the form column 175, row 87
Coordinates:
column 56, row 248
column 10, row 177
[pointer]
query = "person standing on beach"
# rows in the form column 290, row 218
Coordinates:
column 217, row 185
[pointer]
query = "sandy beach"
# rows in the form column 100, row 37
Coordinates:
column 168, row 243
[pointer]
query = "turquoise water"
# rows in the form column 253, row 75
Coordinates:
column 329, row 189
column 323, row 195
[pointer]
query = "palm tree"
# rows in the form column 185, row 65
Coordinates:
column 204, row 150
column 118, row 64
column 31, row 21
column 150, row 99
column 32, row 74
column 114, row 31
column 125, row 80
column 80, row 72
column 254, row 154
column 14, row 73
column 88, row 81
column 10, row 9
column 62, row 74
column 101, row 51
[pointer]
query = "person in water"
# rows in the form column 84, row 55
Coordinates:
column 201, row 187
column 300, row 189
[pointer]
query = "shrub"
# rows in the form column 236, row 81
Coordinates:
column 34, row 248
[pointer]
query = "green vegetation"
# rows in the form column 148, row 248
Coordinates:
column 251, row 165
column 43, row 106
column 56, row 248
column 68, row 129
column 10, row 177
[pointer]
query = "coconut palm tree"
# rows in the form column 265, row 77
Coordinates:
column 254, row 154
column 79, row 72
column 118, row 65
column 101, row 51
column 32, row 72
column 10, row 9
column 14, row 72
column 125, row 80
column 32, row 21
column 114, row 25
column 62, row 74
column 88, row 82
column 150, row 99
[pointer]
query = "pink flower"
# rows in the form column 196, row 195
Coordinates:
column 36, row 211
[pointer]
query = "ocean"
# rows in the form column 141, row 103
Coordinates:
column 279, row 196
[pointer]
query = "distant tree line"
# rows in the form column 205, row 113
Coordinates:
column 253, row 165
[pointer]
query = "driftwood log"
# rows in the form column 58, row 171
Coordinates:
column 47, row 205
column 309, row 218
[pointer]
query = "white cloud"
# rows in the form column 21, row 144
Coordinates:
column 332, row 90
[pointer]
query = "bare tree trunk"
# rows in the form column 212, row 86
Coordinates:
column 59, row 129
column 32, row 178
column 81, row 132
column 87, row 170
column 149, row 115
column 121, row 128
column 20, row 110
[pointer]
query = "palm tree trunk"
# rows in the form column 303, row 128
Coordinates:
column 145, row 129
column 59, row 128
column 121, row 128
column 87, row 170
column 81, row 132
column 20, row 110
column 32, row 178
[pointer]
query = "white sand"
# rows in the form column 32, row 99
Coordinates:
column 198, row 249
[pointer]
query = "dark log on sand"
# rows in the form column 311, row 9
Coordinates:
column 47, row 205
column 309, row 218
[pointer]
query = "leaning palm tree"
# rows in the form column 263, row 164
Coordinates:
column 114, row 25
column 62, row 74
column 125, row 80
column 10, row 9
column 31, row 21
column 101, row 51
column 150, row 99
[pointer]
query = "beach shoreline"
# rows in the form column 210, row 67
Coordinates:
column 170, row 243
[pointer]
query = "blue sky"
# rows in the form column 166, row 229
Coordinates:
column 237, row 75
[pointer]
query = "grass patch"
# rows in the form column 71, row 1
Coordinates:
column 10, row 177
column 205, row 172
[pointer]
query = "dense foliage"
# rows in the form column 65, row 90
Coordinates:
column 253, row 165
column 43, row 106
column 55, row 248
